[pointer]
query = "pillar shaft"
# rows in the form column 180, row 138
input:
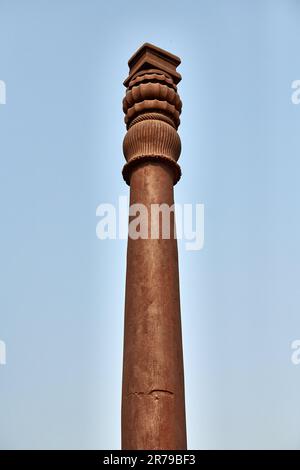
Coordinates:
column 153, row 409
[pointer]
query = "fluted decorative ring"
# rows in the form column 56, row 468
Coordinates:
column 147, row 116
column 153, row 105
column 152, row 137
column 131, row 164
column 151, row 91
column 152, row 77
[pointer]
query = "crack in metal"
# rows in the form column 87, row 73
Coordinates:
column 152, row 392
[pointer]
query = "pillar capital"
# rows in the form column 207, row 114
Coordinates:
column 152, row 110
column 149, row 56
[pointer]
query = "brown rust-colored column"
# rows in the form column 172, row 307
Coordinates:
column 153, row 407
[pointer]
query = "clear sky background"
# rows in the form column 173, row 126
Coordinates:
column 62, row 289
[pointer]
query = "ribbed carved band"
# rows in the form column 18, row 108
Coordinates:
column 153, row 105
column 151, row 76
column 157, row 116
column 129, row 166
column 151, row 91
column 152, row 137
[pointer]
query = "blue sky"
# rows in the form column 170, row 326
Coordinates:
column 62, row 289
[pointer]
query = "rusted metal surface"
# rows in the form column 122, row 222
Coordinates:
column 153, row 406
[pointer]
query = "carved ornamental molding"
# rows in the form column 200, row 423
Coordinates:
column 152, row 110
